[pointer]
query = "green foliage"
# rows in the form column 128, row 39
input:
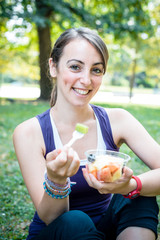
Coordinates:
column 122, row 18
column 121, row 22
column 15, row 203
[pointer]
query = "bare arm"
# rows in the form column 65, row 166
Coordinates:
column 126, row 129
column 30, row 150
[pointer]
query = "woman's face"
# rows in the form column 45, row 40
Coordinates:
column 79, row 72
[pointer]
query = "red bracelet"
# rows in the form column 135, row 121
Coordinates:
column 135, row 193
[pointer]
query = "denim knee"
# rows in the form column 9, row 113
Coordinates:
column 73, row 225
column 78, row 226
column 77, row 219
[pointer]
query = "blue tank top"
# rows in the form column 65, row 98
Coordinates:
column 82, row 197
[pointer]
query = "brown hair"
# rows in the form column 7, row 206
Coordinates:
column 90, row 35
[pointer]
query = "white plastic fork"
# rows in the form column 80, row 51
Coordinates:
column 79, row 132
column 75, row 136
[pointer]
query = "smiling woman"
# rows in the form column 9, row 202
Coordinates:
column 70, row 202
column 76, row 37
column 78, row 74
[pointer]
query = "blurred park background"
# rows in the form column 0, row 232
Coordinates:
column 131, row 30
column 28, row 29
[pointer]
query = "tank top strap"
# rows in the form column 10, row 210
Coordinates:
column 46, row 127
column 105, row 127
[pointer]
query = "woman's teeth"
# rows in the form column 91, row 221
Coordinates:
column 82, row 92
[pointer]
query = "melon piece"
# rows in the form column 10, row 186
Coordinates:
column 106, row 168
column 105, row 175
column 93, row 170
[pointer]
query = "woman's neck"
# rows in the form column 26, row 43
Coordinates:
column 72, row 114
column 66, row 119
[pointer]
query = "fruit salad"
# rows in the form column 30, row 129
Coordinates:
column 107, row 167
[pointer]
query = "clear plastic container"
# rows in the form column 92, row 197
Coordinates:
column 106, row 165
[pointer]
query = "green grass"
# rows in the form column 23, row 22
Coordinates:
column 15, row 204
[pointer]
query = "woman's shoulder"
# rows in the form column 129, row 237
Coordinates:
column 32, row 125
column 117, row 113
column 113, row 114
column 28, row 135
column 27, row 129
column 112, row 111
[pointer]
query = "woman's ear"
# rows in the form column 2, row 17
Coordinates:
column 52, row 68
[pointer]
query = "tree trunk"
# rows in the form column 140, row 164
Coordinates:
column 132, row 78
column 44, row 50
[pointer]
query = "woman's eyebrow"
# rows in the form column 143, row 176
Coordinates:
column 76, row 60
column 98, row 63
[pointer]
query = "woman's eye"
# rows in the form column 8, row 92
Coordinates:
column 75, row 67
column 98, row 71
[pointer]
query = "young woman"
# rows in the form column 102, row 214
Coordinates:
column 85, row 210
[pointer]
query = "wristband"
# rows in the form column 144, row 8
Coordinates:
column 56, row 185
column 135, row 193
column 56, row 196
column 58, row 191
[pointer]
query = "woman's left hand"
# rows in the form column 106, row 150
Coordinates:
column 121, row 186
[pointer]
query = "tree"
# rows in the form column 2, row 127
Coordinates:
column 124, row 19
column 128, row 21
column 42, row 13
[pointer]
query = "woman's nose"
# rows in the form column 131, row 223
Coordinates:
column 85, row 78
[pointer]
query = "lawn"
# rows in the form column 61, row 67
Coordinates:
column 15, row 204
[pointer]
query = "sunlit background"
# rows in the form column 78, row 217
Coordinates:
column 28, row 30
column 131, row 30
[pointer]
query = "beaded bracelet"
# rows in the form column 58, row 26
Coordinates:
column 55, row 185
column 55, row 190
column 53, row 195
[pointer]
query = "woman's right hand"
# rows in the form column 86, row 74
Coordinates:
column 61, row 164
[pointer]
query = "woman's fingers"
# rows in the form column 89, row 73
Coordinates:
column 59, row 158
column 91, row 180
column 52, row 155
column 74, row 162
column 118, row 186
column 102, row 187
column 127, row 172
column 62, row 165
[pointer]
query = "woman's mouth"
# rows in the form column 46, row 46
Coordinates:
column 81, row 92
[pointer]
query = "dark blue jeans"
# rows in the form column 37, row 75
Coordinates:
column 72, row 225
column 121, row 213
